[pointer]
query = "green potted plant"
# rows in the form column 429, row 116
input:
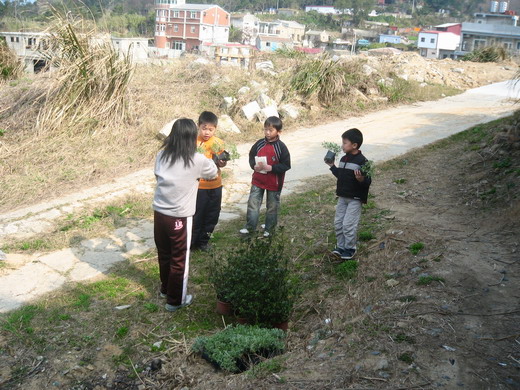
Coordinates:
column 236, row 348
column 333, row 149
column 223, row 152
column 220, row 276
column 262, row 290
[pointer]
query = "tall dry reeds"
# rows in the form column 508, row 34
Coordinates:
column 322, row 77
column 10, row 67
column 89, row 89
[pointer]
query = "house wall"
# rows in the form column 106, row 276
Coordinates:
column 427, row 40
column 389, row 39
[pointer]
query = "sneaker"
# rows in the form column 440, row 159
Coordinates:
column 162, row 295
column 348, row 254
column 244, row 231
column 205, row 247
column 266, row 234
column 187, row 302
column 337, row 251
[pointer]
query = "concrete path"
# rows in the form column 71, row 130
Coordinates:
column 388, row 133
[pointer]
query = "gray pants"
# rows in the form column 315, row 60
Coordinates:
column 346, row 220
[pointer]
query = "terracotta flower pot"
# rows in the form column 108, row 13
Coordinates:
column 224, row 308
column 242, row 320
column 282, row 325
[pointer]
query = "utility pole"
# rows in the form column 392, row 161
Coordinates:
column 413, row 7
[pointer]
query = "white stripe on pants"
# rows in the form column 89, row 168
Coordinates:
column 346, row 220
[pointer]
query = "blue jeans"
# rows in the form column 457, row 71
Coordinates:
column 256, row 195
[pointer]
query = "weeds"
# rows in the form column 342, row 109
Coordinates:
column 347, row 270
column 321, row 77
column 92, row 79
column 416, row 247
column 10, row 67
column 487, row 54
column 427, row 280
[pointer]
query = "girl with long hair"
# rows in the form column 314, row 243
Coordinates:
column 178, row 168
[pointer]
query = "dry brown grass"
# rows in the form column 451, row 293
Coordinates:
column 10, row 67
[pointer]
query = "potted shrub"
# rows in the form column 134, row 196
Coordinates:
column 333, row 149
column 236, row 348
column 220, row 276
column 222, row 152
column 262, row 291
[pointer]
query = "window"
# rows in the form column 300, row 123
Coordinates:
column 432, row 40
column 478, row 43
column 192, row 29
column 175, row 28
column 175, row 14
column 17, row 39
column 12, row 39
column 178, row 45
column 268, row 44
column 163, row 27
column 518, row 46
column 508, row 45
column 423, row 39
column 193, row 15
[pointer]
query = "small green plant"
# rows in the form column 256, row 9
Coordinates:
column 487, row 54
column 406, row 357
column 236, row 348
column 400, row 181
column 122, row 332
column 403, row 338
column 2, row 132
column 332, row 146
column 416, row 247
column 427, row 280
column 366, row 235
column 151, row 307
column 347, row 270
column 505, row 163
column 368, row 169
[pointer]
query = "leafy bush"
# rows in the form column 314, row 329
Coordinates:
column 236, row 348
column 255, row 279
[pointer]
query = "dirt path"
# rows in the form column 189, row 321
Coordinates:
column 388, row 133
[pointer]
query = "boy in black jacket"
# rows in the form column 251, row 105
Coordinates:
column 352, row 191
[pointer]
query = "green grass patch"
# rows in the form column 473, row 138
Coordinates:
column 406, row 357
column 347, row 270
column 416, row 247
column 427, row 280
column 408, row 298
column 366, row 236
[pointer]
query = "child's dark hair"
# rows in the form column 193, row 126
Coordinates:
column 353, row 135
column 208, row 117
column 181, row 144
column 275, row 122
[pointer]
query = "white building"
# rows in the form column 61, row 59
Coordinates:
column 135, row 48
column 248, row 24
column 438, row 44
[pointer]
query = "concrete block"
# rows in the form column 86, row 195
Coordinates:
column 226, row 125
column 250, row 110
